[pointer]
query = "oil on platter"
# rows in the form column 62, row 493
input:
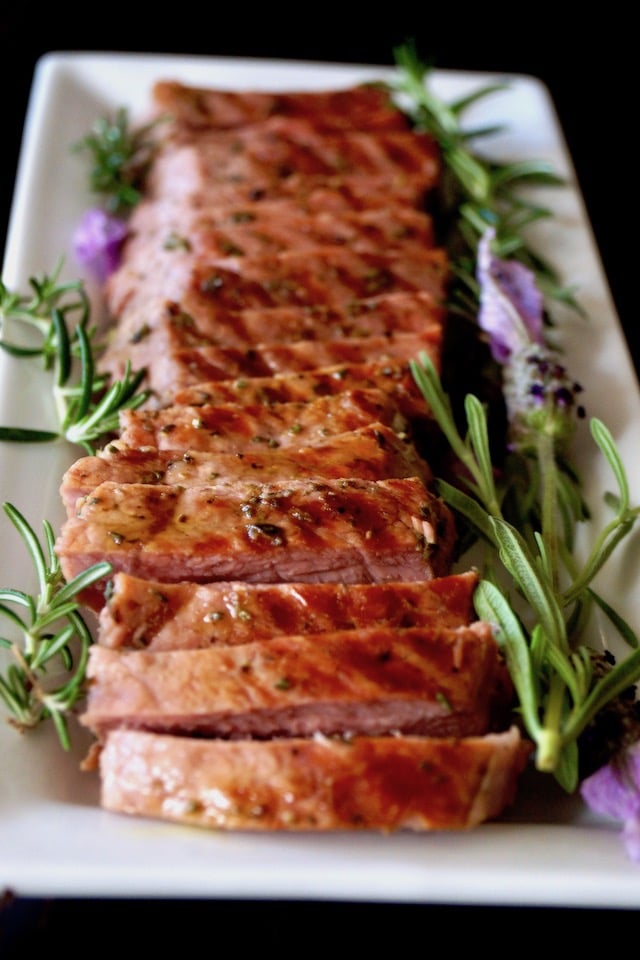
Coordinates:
column 54, row 839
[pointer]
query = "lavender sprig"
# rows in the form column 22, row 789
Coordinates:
column 552, row 665
column 549, row 660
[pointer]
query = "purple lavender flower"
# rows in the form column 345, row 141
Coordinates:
column 511, row 305
column 540, row 396
column 98, row 240
column 614, row 791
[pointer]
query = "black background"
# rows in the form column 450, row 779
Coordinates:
column 589, row 66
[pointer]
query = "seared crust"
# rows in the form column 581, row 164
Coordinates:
column 377, row 680
column 165, row 240
column 355, row 531
column 176, row 368
column 270, row 155
column 366, row 783
column 392, row 377
column 152, row 615
column 234, row 427
column 328, row 277
column 163, row 326
column 362, row 107
column 368, row 452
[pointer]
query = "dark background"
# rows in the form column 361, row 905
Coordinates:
column 589, row 67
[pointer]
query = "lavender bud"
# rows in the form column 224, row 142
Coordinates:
column 98, row 240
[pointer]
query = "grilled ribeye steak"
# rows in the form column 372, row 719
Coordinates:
column 373, row 453
column 170, row 367
column 148, row 614
column 327, row 277
column 161, row 327
column 193, row 318
column 354, row 531
column 182, row 368
column 291, row 650
column 381, row 784
column 279, row 147
column 379, row 681
column 192, row 108
column 269, row 155
column 234, row 427
column 392, row 378
column 164, row 241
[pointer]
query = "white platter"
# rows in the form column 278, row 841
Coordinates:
column 54, row 839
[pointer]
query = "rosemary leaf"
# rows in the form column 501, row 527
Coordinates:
column 27, row 435
column 52, row 633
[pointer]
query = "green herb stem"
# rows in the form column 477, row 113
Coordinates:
column 87, row 406
column 47, row 662
column 548, row 659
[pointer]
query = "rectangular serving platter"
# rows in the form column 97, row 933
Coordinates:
column 54, row 838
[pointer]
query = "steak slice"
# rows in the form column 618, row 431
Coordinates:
column 174, row 284
column 378, row 681
column 164, row 242
column 172, row 372
column 393, row 378
column 148, row 614
column 310, row 194
column 326, row 276
column 236, row 427
column 162, row 328
column 373, row 453
column 314, row 277
column 192, row 108
column 382, row 784
column 277, row 149
column 354, row 531
column 160, row 324
column 159, row 226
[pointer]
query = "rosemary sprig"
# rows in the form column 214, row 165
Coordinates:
column 87, row 405
column 48, row 653
column 36, row 311
column 476, row 193
column 543, row 636
column 522, row 500
column 120, row 158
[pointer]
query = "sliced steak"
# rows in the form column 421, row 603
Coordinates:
column 193, row 108
column 381, row 784
column 236, row 427
column 162, row 328
column 372, row 453
column 178, row 369
column 377, row 681
column 265, row 228
column 316, row 277
column 135, row 297
column 325, row 276
column 163, row 324
column 164, row 243
column 275, row 150
column 393, row 378
column 351, row 531
column 147, row 614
